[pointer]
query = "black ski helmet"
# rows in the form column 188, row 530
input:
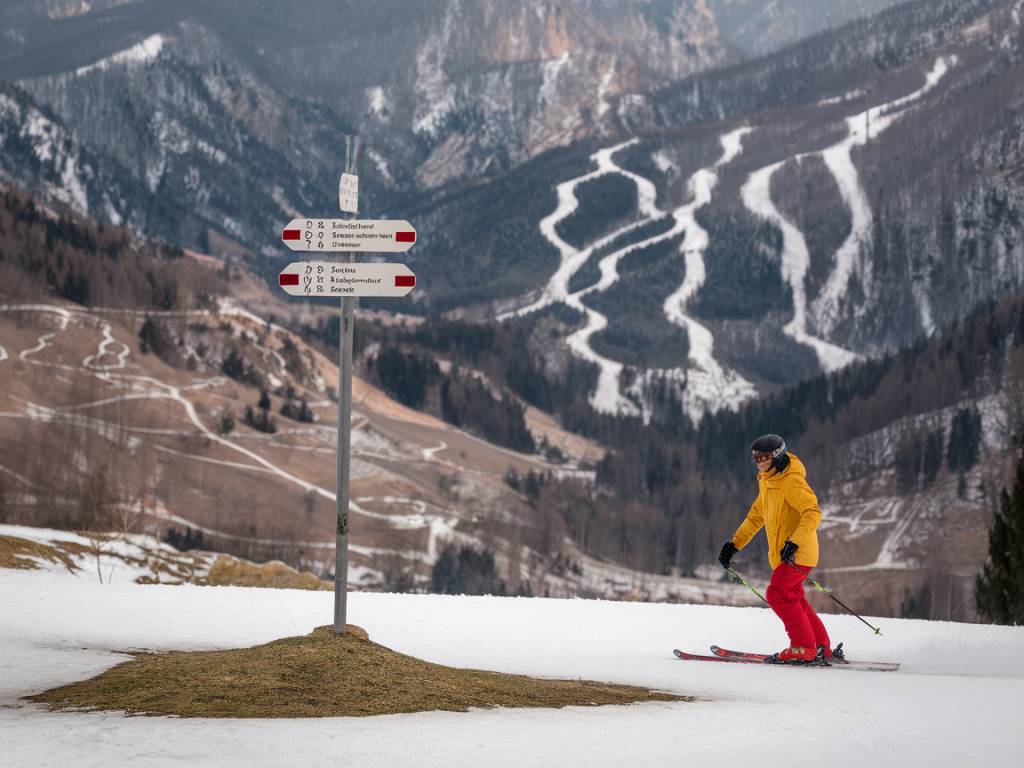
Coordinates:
column 771, row 446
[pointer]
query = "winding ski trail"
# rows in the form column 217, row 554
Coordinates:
column 862, row 128
column 796, row 261
column 824, row 311
column 708, row 386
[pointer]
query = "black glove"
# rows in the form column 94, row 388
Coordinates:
column 728, row 550
column 788, row 551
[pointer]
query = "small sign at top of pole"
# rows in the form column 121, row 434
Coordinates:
column 348, row 186
column 348, row 193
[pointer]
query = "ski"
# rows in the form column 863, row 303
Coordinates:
column 699, row 657
column 755, row 658
column 759, row 658
column 726, row 654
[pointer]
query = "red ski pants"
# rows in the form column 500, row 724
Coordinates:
column 786, row 597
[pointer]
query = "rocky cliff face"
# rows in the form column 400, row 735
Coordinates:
column 456, row 89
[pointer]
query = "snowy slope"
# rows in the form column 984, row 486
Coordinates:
column 954, row 703
column 703, row 386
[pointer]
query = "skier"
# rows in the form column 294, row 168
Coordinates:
column 787, row 509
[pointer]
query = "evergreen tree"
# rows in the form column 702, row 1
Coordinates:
column 908, row 463
column 931, row 459
column 444, row 574
column 465, row 571
column 155, row 337
column 999, row 590
column 964, row 440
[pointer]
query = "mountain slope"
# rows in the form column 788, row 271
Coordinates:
column 876, row 203
column 759, row 27
column 466, row 86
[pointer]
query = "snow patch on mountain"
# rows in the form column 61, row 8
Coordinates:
column 155, row 172
column 381, row 164
column 44, row 133
column 140, row 53
column 664, row 162
column 111, row 212
column 848, row 96
column 602, row 90
column 549, row 84
column 215, row 154
column 69, row 10
column 435, row 92
column 9, row 107
column 378, row 103
column 52, row 146
column 283, row 203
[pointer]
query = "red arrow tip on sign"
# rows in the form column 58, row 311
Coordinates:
column 291, row 234
column 284, row 279
column 405, row 281
column 405, row 237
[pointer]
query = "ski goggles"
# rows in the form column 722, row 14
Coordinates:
column 762, row 456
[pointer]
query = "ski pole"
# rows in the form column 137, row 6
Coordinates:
column 737, row 577
column 828, row 592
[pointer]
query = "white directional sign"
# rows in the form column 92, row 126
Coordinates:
column 332, row 278
column 348, row 193
column 368, row 236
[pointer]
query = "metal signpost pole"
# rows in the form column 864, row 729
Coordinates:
column 349, row 280
column 344, row 408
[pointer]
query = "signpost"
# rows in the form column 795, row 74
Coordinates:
column 368, row 236
column 329, row 278
column 349, row 281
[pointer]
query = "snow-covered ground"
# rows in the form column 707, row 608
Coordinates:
column 954, row 703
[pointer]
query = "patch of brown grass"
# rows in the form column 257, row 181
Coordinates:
column 229, row 571
column 23, row 554
column 166, row 567
column 319, row 675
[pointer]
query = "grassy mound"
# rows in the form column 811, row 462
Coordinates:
column 23, row 554
column 165, row 565
column 319, row 675
column 230, row 571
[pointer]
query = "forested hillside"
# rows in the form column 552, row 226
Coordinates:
column 45, row 254
column 936, row 418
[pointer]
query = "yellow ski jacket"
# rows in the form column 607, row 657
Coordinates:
column 786, row 508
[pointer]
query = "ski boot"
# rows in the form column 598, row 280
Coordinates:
column 835, row 656
column 793, row 656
